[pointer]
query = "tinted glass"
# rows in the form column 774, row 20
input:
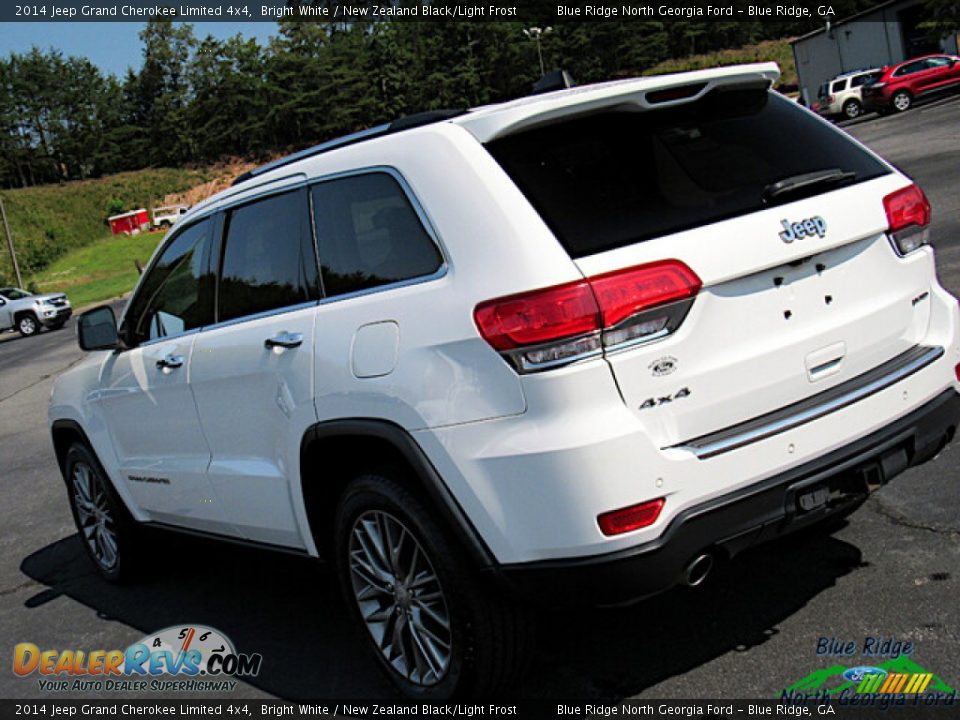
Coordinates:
column 839, row 85
column 868, row 79
column 268, row 257
column 937, row 62
column 619, row 177
column 177, row 293
column 14, row 294
column 368, row 234
column 911, row 68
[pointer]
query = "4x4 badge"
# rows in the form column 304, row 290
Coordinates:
column 663, row 400
column 815, row 225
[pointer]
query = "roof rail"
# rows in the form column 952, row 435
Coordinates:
column 403, row 123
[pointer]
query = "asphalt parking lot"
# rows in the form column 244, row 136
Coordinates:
column 892, row 572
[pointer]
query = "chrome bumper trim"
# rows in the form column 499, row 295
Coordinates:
column 816, row 406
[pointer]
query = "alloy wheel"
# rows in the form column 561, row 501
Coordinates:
column 400, row 598
column 94, row 516
column 28, row 326
column 902, row 101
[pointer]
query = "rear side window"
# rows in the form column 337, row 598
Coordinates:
column 867, row 79
column 177, row 294
column 839, row 85
column 615, row 178
column 368, row 234
column 268, row 257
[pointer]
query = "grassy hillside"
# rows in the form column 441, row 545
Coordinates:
column 64, row 244
column 50, row 220
column 777, row 50
column 100, row 271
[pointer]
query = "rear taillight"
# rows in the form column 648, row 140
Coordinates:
column 630, row 518
column 557, row 325
column 908, row 215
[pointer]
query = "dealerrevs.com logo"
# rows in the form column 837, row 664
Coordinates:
column 182, row 657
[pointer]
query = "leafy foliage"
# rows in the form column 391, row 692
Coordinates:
column 200, row 99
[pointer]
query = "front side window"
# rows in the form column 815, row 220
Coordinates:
column 911, row 68
column 368, row 234
column 268, row 257
column 14, row 294
column 177, row 294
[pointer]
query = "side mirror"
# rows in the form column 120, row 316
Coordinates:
column 97, row 329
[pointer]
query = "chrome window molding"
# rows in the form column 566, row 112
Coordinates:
column 308, row 183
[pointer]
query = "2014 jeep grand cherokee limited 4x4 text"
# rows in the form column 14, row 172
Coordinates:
column 575, row 346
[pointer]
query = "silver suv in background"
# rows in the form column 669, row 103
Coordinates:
column 27, row 313
column 841, row 97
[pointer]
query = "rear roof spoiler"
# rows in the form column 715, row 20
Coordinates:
column 496, row 121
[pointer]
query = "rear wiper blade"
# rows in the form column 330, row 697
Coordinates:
column 805, row 181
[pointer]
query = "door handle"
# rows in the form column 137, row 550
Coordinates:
column 284, row 340
column 170, row 362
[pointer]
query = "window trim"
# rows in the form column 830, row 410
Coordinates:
column 172, row 236
column 217, row 244
column 418, row 209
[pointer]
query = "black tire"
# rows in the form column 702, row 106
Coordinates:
column 901, row 101
column 488, row 635
column 28, row 324
column 852, row 109
column 128, row 542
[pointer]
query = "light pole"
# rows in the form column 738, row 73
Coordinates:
column 536, row 34
column 13, row 254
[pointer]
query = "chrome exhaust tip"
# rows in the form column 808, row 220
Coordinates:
column 698, row 569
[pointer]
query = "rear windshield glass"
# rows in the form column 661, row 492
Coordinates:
column 615, row 178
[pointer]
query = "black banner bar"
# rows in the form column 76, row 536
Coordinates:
column 336, row 11
column 853, row 707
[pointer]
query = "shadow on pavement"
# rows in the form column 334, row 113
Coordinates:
column 288, row 609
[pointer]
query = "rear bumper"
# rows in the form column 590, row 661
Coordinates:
column 727, row 525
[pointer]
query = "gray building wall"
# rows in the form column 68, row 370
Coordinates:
column 872, row 39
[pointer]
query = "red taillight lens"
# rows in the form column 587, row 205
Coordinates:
column 544, row 328
column 538, row 317
column 626, row 292
column 630, row 518
column 956, row 371
column 906, row 207
column 908, row 214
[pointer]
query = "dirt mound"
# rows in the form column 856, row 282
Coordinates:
column 224, row 174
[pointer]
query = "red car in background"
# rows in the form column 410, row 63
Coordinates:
column 899, row 85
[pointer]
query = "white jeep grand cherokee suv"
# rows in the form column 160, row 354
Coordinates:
column 572, row 347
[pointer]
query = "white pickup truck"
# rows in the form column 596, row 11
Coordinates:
column 166, row 216
column 20, row 310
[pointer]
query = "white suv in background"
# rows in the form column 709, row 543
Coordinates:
column 570, row 348
column 843, row 96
